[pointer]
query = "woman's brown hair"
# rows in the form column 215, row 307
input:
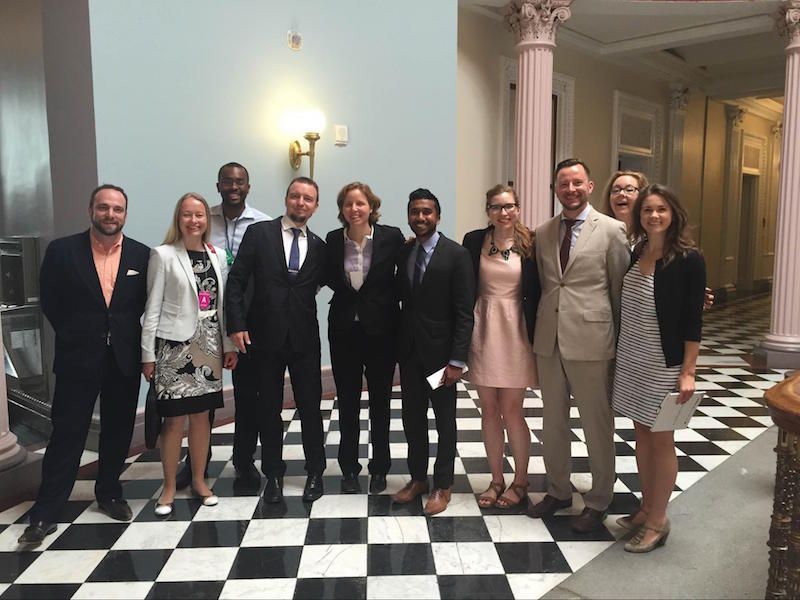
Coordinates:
column 677, row 241
column 372, row 199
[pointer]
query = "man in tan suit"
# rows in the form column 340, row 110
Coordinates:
column 582, row 256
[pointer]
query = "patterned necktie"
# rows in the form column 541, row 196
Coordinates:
column 294, row 255
column 419, row 266
column 566, row 243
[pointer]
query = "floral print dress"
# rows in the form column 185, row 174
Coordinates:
column 189, row 373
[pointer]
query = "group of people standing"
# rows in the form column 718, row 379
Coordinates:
column 508, row 309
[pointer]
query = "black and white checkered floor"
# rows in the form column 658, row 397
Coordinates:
column 360, row 546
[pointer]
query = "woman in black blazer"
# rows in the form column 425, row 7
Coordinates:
column 659, row 340
column 362, row 324
column 501, row 360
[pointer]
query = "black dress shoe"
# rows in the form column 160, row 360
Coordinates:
column 313, row 489
column 350, row 484
column 589, row 520
column 548, row 506
column 377, row 483
column 36, row 532
column 116, row 508
column 248, row 477
column 273, row 491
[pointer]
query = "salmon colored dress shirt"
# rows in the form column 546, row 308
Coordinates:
column 107, row 264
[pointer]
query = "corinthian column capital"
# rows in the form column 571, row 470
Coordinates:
column 679, row 97
column 734, row 115
column 789, row 22
column 536, row 20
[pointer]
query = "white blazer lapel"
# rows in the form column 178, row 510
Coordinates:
column 186, row 263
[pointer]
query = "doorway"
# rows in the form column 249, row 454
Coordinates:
column 748, row 230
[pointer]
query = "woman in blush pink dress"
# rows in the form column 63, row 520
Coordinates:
column 501, row 360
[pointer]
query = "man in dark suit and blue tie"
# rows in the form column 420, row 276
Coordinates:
column 93, row 290
column 436, row 285
column 286, row 261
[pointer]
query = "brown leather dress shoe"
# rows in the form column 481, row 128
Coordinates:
column 589, row 520
column 548, row 505
column 410, row 491
column 437, row 501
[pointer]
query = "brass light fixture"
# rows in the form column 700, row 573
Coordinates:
column 296, row 152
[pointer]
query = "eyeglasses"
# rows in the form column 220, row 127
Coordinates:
column 497, row 208
column 628, row 189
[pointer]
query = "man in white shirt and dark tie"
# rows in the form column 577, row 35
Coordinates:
column 286, row 261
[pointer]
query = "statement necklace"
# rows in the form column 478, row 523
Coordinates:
column 493, row 249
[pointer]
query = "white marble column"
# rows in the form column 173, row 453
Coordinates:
column 11, row 453
column 535, row 23
column 781, row 347
column 678, row 101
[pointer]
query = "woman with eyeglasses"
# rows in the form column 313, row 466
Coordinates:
column 620, row 194
column 618, row 200
column 501, row 360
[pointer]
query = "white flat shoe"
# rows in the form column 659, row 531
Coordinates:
column 162, row 510
column 210, row 500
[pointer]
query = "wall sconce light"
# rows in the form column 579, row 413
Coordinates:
column 293, row 123
column 296, row 152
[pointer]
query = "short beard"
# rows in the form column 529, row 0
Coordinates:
column 98, row 227
column 297, row 219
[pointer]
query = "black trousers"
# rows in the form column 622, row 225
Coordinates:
column 304, row 372
column 245, row 395
column 416, row 394
column 353, row 354
column 73, row 404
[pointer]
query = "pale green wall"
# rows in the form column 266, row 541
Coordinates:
column 181, row 87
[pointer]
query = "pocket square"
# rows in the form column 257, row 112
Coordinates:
column 132, row 272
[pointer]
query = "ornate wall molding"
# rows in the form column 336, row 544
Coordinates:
column 777, row 130
column 536, row 20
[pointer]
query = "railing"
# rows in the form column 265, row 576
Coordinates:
column 783, row 400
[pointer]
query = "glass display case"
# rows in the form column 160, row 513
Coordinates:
column 21, row 316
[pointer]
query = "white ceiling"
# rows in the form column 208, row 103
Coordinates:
column 728, row 48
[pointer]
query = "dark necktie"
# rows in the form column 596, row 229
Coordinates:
column 419, row 266
column 566, row 243
column 294, row 255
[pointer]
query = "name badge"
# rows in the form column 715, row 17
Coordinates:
column 204, row 299
column 229, row 256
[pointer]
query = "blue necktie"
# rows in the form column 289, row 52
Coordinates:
column 419, row 266
column 294, row 256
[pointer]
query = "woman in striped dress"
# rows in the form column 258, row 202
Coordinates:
column 659, row 340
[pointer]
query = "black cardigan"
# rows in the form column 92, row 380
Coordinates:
column 679, row 290
column 531, row 288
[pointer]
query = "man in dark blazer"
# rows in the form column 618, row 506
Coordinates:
column 436, row 285
column 93, row 291
column 286, row 261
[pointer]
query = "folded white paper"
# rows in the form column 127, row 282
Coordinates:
column 672, row 416
column 435, row 379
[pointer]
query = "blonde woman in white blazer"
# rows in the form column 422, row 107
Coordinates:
column 184, row 348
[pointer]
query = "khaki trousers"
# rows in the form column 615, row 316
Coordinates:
column 589, row 383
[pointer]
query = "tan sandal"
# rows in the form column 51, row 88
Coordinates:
column 520, row 490
column 489, row 497
column 637, row 544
